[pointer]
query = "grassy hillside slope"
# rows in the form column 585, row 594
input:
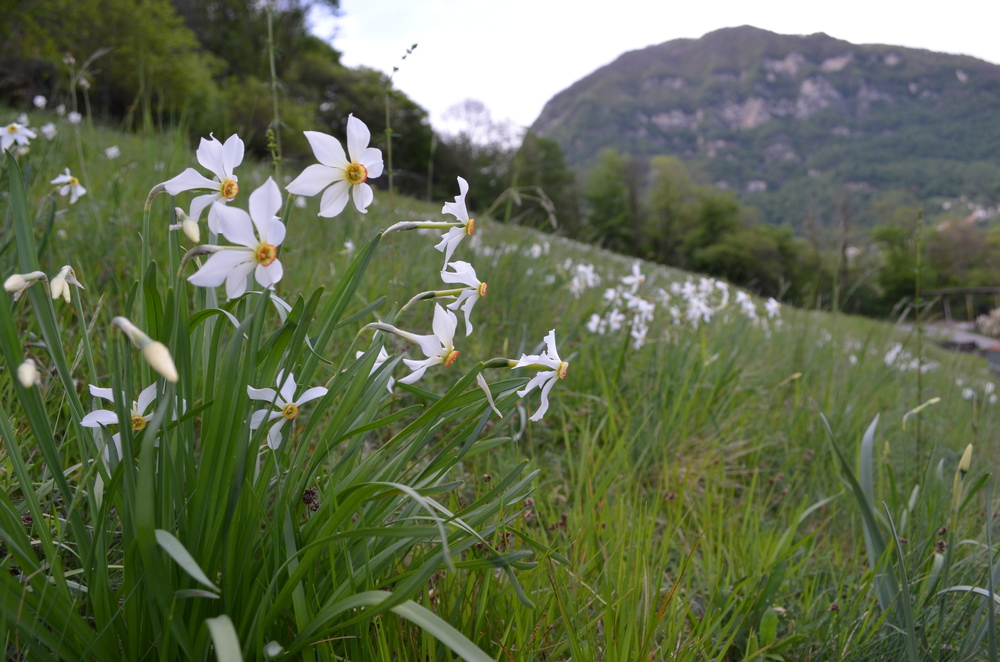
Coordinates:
column 689, row 503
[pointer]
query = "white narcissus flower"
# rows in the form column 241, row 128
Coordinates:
column 285, row 401
column 451, row 239
column 382, row 357
column 551, row 368
column 465, row 275
column 112, row 152
column 438, row 347
column 338, row 174
column 74, row 117
column 635, row 280
column 69, row 185
column 39, row 101
column 105, row 417
column 59, row 285
column 15, row 134
column 49, row 131
column 257, row 253
column 221, row 159
column 772, row 307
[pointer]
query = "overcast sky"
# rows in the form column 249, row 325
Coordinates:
column 514, row 55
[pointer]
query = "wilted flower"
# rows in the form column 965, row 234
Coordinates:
column 15, row 134
column 285, row 402
column 18, row 283
column 74, row 117
column 467, row 298
column 112, row 152
column 61, row 109
column 335, row 171
column 489, row 396
column 257, row 253
column 59, row 285
column 69, row 185
column 551, row 368
column 221, row 159
column 451, row 239
column 84, row 83
column 39, row 101
column 49, row 131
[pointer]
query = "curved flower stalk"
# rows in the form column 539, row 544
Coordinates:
column 336, row 173
column 221, row 159
column 464, row 274
column 69, row 185
column 550, row 368
column 453, row 237
column 287, row 406
column 438, row 347
column 256, row 253
column 16, row 134
column 59, row 285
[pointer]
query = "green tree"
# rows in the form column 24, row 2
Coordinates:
column 609, row 210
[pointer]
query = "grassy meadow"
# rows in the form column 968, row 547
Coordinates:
column 682, row 500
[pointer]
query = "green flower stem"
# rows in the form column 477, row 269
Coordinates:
column 88, row 351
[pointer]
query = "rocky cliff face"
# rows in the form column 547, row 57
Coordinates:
column 751, row 106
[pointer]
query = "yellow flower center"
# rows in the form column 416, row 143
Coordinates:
column 230, row 189
column 356, row 173
column 452, row 355
column 470, row 226
column 73, row 181
column 482, row 289
column 12, row 128
column 290, row 411
column 563, row 368
column 138, row 423
column 266, row 254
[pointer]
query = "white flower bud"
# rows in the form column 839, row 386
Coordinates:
column 28, row 375
column 158, row 357
column 18, row 283
column 966, row 462
column 186, row 225
column 156, row 353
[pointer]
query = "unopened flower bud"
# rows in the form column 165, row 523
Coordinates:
column 18, row 283
column 156, row 353
column 966, row 461
column 158, row 357
column 28, row 375
column 186, row 225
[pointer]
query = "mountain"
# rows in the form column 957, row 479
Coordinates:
column 794, row 124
